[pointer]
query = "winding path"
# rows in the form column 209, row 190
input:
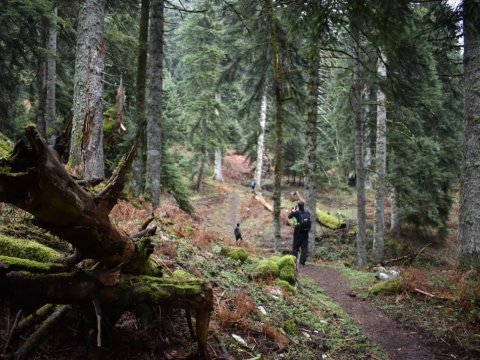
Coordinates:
column 397, row 341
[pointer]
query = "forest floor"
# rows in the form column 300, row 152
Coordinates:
column 331, row 314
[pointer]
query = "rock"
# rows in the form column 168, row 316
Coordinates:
column 240, row 340
column 235, row 253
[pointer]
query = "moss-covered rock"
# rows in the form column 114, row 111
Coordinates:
column 286, row 261
column 182, row 275
column 26, row 249
column 235, row 253
column 286, row 287
column 387, row 287
column 266, row 268
column 287, row 273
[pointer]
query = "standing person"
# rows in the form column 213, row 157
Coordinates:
column 238, row 233
column 300, row 232
column 253, row 184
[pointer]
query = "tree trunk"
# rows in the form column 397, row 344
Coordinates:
column 119, row 294
column 41, row 83
column 138, row 166
column 469, row 251
column 201, row 171
column 357, row 107
column 86, row 145
column 367, row 149
column 381, row 157
column 394, row 216
column 277, row 90
column 155, row 101
column 311, row 139
column 50, row 115
column 261, row 140
column 217, row 166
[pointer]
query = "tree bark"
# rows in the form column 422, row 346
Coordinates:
column 357, row 107
column 261, row 140
column 138, row 166
column 311, row 148
column 50, row 115
column 277, row 90
column 395, row 225
column 41, row 83
column 201, row 171
column 217, row 166
column 155, row 101
column 381, row 158
column 367, row 149
column 469, row 251
column 86, row 145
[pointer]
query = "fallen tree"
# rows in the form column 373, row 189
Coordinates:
column 121, row 277
column 323, row 217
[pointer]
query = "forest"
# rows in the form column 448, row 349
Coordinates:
column 135, row 136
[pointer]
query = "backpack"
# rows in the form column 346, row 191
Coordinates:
column 305, row 223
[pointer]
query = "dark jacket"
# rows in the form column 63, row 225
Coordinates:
column 297, row 215
column 237, row 233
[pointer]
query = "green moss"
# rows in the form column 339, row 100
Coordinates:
column 328, row 220
column 235, row 253
column 31, row 232
column 285, row 286
column 188, row 228
column 286, row 261
column 352, row 231
column 5, row 146
column 108, row 121
column 26, row 249
column 387, row 287
column 14, row 264
column 287, row 273
column 265, row 269
column 181, row 275
column 290, row 326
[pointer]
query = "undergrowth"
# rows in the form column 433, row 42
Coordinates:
column 273, row 323
column 443, row 303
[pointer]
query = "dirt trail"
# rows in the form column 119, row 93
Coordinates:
column 233, row 211
column 398, row 342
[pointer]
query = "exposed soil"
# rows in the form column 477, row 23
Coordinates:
column 398, row 341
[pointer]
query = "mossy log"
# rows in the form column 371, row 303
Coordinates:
column 125, row 292
column 33, row 179
column 329, row 221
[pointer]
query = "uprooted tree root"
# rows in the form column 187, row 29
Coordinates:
column 119, row 276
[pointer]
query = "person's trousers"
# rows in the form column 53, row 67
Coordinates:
column 300, row 242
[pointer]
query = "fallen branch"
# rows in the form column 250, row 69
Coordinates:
column 406, row 257
column 33, row 319
column 40, row 335
column 146, row 232
column 425, row 293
